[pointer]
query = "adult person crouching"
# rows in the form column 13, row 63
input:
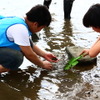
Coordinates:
column 15, row 41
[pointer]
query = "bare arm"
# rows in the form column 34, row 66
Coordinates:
column 94, row 50
column 47, row 55
column 38, row 51
column 32, row 56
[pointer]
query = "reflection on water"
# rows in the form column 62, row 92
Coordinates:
column 79, row 83
column 26, row 83
column 38, row 84
column 59, row 41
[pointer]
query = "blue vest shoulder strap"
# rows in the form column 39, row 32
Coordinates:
column 5, row 23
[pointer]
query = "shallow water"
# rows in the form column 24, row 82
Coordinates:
column 32, row 83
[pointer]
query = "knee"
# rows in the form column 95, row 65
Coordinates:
column 2, row 69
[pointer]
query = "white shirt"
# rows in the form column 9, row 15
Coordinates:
column 19, row 34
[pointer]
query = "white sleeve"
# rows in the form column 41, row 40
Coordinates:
column 19, row 34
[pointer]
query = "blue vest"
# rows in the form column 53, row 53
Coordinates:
column 5, row 23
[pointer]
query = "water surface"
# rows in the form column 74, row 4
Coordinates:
column 32, row 83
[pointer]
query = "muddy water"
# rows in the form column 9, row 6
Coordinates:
column 32, row 83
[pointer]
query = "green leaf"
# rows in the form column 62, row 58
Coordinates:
column 68, row 66
column 75, row 63
column 72, row 62
column 77, row 58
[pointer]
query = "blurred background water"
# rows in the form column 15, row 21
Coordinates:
column 32, row 83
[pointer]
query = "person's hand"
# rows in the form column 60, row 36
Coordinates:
column 47, row 65
column 50, row 57
column 85, row 52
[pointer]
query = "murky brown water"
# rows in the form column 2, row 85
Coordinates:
column 32, row 83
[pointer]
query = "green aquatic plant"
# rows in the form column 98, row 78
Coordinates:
column 72, row 62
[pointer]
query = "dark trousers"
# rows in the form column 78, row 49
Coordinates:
column 47, row 3
column 67, row 5
column 67, row 8
column 10, row 58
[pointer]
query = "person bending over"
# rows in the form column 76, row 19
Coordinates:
column 15, row 41
column 92, row 20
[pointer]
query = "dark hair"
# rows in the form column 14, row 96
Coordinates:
column 92, row 16
column 39, row 14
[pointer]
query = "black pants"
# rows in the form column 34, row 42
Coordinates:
column 67, row 8
column 10, row 58
column 47, row 3
column 67, row 5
